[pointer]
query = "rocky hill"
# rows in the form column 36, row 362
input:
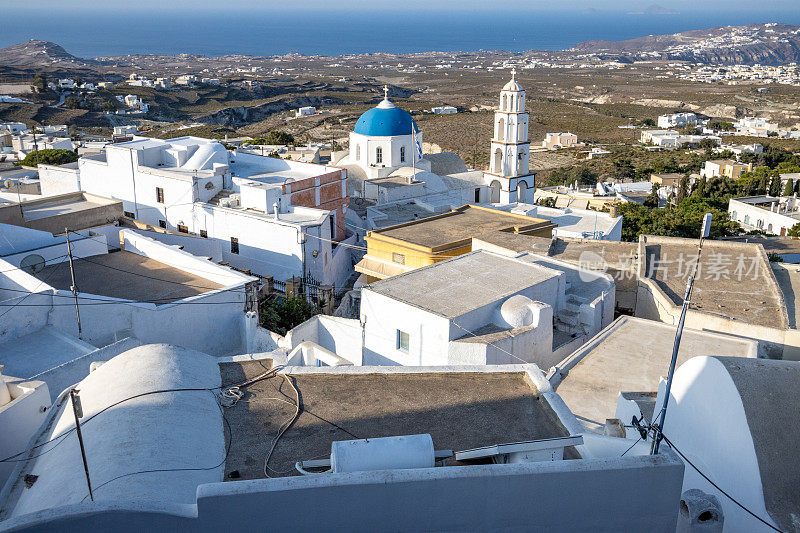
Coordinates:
column 40, row 54
column 766, row 44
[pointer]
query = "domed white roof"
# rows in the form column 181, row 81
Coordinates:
column 512, row 85
column 206, row 156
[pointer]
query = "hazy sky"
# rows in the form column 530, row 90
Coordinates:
column 460, row 5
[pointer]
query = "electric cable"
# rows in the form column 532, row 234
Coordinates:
column 731, row 498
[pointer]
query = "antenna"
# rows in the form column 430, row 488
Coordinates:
column 662, row 414
column 73, row 288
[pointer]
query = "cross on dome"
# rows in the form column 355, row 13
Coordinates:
column 385, row 92
column 513, row 73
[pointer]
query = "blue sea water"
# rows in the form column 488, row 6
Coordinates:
column 334, row 32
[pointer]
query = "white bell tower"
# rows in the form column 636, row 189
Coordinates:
column 509, row 176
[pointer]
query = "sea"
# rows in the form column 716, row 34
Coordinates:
column 331, row 32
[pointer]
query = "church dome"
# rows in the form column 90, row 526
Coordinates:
column 385, row 120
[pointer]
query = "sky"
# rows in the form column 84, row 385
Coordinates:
column 381, row 5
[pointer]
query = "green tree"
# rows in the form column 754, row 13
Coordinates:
column 794, row 231
column 775, row 185
column 49, row 156
column 683, row 189
column 652, row 198
column 39, row 83
column 78, row 81
column 623, row 168
column 280, row 137
column 788, row 189
column 282, row 314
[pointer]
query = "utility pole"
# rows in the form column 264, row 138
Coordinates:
column 77, row 410
column 36, row 146
column 19, row 202
column 662, row 414
column 73, row 287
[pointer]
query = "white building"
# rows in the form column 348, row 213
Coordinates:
column 755, row 126
column 431, row 437
column 444, row 110
column 23, row 408
column 66, row 83
column 574, row 223
column 484, row 308
column 306, row 111
column 677, row 120
column 122, row 131
column 772, row 215
column 186, row 79
column 271, row 216
column 560, row 140
column 509, row 176
column 148, row 290
column 13, row 127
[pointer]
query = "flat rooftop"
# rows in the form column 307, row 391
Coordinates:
column 459, row 225
column 128, row 276
column 735, row 280
column 392, row 181
column 62, row 205
column 46, row 348
column 630, row 356
column 400, row 213
column 460, row 410
column 496, row 277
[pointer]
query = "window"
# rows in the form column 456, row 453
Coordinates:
column 183, row 229
column 379, row 155
column 733, row 216
column 358, row 152
column 402, row 154
column 162, row 223
column 159, row 195
column 128, row 214
column 402, row 341
column 398, row 258
column 204, row 234
column 478, row 195
column 234, row 245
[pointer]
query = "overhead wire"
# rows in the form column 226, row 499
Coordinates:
column 725, row 493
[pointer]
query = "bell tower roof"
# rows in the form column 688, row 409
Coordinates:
column 513, row 85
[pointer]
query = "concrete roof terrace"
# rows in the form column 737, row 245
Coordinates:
column 458, row 227
column 74, row 210
column 128, row 276
column 735, row 279
column 629, row 357
column 460, row 409
column 496, row 275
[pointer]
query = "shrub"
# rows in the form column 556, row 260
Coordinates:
column 49, row 156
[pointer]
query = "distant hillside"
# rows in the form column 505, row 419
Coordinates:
column 766, row 44
column 36, row 53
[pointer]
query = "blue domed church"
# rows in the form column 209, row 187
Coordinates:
column 384, row 139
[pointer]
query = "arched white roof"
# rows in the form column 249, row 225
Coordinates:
column 206, row 156
column 169, row 430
